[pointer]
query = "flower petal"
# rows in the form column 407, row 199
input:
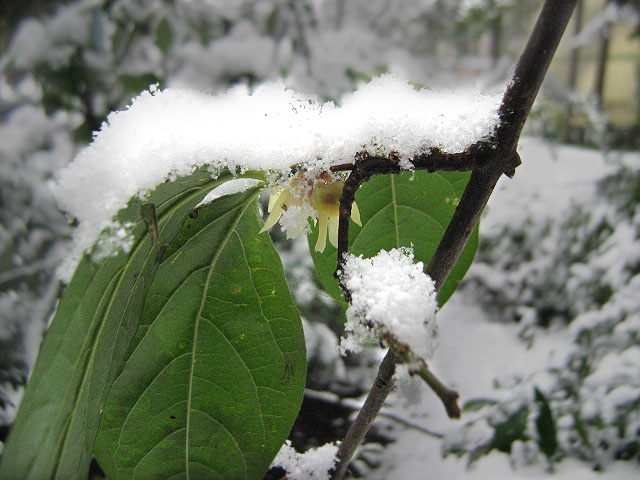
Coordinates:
column 355, row 213
column 273, row 199
column 322, row 233
column 276, row 212
column 332, row 226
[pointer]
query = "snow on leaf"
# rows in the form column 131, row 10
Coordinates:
column 165, row 134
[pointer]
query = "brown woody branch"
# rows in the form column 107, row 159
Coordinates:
column 487, row 160
column 476, row 156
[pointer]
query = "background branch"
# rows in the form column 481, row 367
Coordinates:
column 503, row 158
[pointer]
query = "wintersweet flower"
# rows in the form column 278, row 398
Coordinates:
column 318, row 198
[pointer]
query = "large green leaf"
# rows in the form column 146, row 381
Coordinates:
column 216, row 372
column 55, row 429
column 409, row 209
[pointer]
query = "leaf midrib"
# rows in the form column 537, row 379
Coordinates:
column 212, row 265
column 394, row 205
column 395, row 209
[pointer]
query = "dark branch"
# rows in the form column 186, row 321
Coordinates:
column 448, row 397
column 530, row 72
column 476, row 156
column 488, row 162
column 356, row 178
column 370, row 409
column 464, row 220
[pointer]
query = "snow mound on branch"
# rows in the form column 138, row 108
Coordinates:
column 390, row 295
column 169, row 133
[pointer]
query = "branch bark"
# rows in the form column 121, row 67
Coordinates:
column 487, row 160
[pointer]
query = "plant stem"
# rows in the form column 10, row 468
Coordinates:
column 367, row 414
column 448, row 397
column 493, row 158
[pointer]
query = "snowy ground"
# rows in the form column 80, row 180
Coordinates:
column 472, row 352
column 475, row 351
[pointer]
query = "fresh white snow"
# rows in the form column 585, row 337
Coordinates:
column 230, row 187
column 169, row 133
column 482, row 358
column 314, row 464
column 390, row 295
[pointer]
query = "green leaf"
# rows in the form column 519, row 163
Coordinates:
column 83, row 349
column 217, row 370
column 476, row 404
column 138, row 82
column 164, row 35
column 582, row 431
column 512, row 429
column 410, row 209
column 546, row 426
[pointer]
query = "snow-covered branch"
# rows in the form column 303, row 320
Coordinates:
column 514, row 110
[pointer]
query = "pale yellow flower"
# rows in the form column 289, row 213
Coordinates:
column 319, row 197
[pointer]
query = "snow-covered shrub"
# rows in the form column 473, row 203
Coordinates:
column 575, row 274
column 32, row 146
column 90, row 57
column 63, row 72
column 567, row 115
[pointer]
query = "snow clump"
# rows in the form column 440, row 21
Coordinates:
column 390, row 295
column 314, row 464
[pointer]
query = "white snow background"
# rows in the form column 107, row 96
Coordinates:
column 474, row 351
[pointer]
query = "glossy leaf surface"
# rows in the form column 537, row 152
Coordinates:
column 410, row 209
column 82, row 352
column 216, row 373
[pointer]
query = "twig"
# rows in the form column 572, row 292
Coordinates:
column 448, row 397
column 370, row 409
column 356, row 178
column 464, row 220
column 477, row 155
column 334, row 399
column 514, row 110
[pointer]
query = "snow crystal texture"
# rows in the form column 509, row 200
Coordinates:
column 313, row 464
column 390, row 294
column 169, row 133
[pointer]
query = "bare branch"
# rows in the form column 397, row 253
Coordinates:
column 448, row 397
column 370, row 409
column 352, row 404
column 492, row 159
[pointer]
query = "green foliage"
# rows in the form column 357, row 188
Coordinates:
column 476, row 404
column 164, row 35
column 409, row 209
column 512, row 429
column 98, row 316
column 545, row 426
column 217, row 370
column 138, row 82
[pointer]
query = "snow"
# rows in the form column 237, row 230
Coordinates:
column 483, row 358
column 314, row 464
column 236, row 185
column 168, row 133
column 475, row 355
column 52, row 42
column 390, row 295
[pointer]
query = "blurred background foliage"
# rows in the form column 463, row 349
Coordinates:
column 65, row 65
